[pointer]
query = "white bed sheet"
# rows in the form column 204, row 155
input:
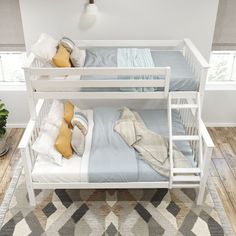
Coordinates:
column 45, row 171
column 72, row 170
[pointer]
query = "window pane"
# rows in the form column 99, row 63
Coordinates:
column 11, row 67
column 1, row 71
column 222, row 66
column 234, row 69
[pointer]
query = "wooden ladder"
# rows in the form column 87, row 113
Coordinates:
column 192, row 175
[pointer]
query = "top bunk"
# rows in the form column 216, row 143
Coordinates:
column 121, row 69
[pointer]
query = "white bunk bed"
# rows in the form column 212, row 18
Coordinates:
column 42, row 87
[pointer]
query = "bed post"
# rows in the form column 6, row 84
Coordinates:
column 202, row 86
column 196, row 56
column 27, row 168
column 31, row 101
column 204, row 177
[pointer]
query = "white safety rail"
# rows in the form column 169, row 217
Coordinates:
column 189, row 106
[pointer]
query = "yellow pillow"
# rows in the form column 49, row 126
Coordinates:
column 68, row 112
column 63, row 141
column 62, row 57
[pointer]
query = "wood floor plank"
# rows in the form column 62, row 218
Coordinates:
column 229, row 156
column 216, row 153
column 13, row 140
column 230, row 132
column 9, row 173
column 213, row 171
column 218, row 135
column 222, row 134
column 227, row 179
column 8, row 132
column 229, row 209
column 232, row 142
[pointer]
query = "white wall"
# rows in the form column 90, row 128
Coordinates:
column 121, row 19
column 16, row 102
column 219, row 108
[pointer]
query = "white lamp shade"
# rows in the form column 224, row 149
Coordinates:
column 91, row 9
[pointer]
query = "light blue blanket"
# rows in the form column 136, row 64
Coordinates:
column 111, row 159
column 135, row 57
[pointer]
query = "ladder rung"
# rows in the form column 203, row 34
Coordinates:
column 187, row 185
column 183, row 106
column 184, row 178
column 186, row 94
column 186, row 170
column 185, row 137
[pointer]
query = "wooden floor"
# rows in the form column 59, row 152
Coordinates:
column 9, row 161
column 222, row 171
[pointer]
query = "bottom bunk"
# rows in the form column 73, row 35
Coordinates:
column 107, row 160
column 111, row 159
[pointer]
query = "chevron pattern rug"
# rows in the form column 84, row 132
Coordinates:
column 110, row 212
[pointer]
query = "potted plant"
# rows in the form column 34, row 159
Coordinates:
column 3, row 121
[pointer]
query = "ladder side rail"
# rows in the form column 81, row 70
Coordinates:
column 170, row 141
column 200, row 133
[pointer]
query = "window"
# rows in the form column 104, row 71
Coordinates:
column 223, row 66
column 11, row 66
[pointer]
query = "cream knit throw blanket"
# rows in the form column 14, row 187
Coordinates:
column 152, row 147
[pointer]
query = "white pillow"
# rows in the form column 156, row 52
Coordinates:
column 45, row 48
column 56, row 114
column 44, row 144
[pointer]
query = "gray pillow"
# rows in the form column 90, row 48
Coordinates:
column 78, row 141
column 80, row 120
column 67, row 43
column 77, row 57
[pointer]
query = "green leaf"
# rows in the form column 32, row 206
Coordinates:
column 3, row 118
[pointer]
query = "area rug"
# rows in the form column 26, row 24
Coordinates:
column 111, row 212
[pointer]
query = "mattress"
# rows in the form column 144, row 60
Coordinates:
column 45, row 171
column 111, row 160
column 182, row 79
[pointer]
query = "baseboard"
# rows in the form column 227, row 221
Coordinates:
column 16, row 125
column 213, row 124
column 207, row 124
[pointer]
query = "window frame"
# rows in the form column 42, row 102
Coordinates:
column 12, row 84
column 229, row 85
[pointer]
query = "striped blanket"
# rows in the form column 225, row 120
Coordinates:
column 135, row 57
column 151, row 147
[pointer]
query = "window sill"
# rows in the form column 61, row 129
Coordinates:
column 12, row 86
column 221, row 86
